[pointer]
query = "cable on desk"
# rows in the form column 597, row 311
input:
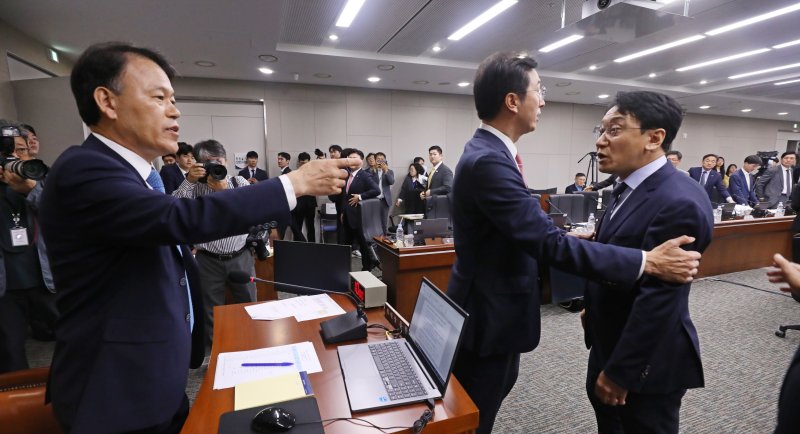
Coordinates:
column 716, row 279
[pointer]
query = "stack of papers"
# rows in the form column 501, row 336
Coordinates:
column 302, row 308
column 271, row 390
column 238, row 367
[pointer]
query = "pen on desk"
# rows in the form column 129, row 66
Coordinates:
column 268, row 364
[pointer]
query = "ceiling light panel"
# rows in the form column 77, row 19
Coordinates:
column 723, row 59
column 786, row 44
column 781, row 83
column 755, row 19
column 558, row 44
column 663, row 47
column 765, row 71
column 482, row 19
column 349, row 13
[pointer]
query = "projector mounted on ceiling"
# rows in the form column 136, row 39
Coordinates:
column 591, row 7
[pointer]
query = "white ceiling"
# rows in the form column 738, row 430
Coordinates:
column 233, row 33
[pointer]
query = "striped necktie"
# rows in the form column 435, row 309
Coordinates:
column 154, row 180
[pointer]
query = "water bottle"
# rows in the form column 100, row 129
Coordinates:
column 590, row 223
column 399, row 234
column 780, row 211
column 718, row 214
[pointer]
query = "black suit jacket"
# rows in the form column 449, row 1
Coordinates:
column 737, row 186
column 501, row 232
column 261, row 174
column 172, row 177
column 123, row 344
column 363, row 184
column 642, row 335
column 571, row 189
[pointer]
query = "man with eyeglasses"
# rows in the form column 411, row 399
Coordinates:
column 501, row 233
column 27, row 295
column 644, row 348
column 775, row 184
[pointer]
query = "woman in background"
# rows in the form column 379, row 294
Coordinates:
column 732, row 168
column 410, row 190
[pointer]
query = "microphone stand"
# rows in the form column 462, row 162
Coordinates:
column 346, row 327
column 591, row 169
column 569, row 220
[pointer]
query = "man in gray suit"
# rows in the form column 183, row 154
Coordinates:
column 775, row 185
column 440, row 179
column 384, row 177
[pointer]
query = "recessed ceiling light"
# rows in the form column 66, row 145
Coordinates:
column 444, row 83
column 603, row 96
column 755, row 19
column 322, row 75
column 482, row 19
column 764, row 71
column 269, row 58
column 659, row 48
column 563, row 84
column 266, row 71
column 704, row 107
column 437, row 48
column 723, row 59
column 783, row 113
column 373, row 79
column 703, row 81
column 205, row 63
column 333, row 37
column 349, row 13
column 592, row 67
column 786, row 44
column 421, row 82
column 781, row 83
column 652, row 75
column 386, row 67
column 463, row 83
column 746, row 110
column 574, row 92
column 522, row 55
column 558, row 44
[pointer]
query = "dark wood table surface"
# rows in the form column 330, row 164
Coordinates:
column 234, row 330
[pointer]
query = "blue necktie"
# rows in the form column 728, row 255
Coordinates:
column 154, row 180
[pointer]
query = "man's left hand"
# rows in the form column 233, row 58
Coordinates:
column 609, row 392
column 16, row 183
column 354, row 199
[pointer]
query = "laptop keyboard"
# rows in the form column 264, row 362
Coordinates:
column 399, row 379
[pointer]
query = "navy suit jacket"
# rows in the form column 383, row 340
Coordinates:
column 714, row 181
column 571, row 189
column 123, row 345
column 363, row 184
column 737, row 186
column 172, row 177
column 501, row 233
column 261, row 174
column 643, row 338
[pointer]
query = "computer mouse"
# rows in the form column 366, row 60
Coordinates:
column 273, row 420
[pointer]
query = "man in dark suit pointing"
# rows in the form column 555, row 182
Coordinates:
column 128, row 289
column 501, row 233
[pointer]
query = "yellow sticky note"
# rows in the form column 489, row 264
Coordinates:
column 271, row 390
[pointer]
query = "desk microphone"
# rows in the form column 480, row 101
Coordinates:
column 602, row 205
column 346, row 327
column 569, row 220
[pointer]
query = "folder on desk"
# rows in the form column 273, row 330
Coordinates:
column 305, row 410
column 271, row 389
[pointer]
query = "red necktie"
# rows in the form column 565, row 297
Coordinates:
column 349, row 181
column 519, row 165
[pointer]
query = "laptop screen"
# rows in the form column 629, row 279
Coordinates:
column 436, row 328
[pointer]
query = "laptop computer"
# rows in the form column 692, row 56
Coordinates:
column 728, row 211
column 413, row 369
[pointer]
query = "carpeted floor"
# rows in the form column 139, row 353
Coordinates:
column 744, row 363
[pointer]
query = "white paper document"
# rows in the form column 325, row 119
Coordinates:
column 297, row 357
column 303, row 308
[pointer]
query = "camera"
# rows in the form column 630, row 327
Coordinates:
column 257, row 239
column 214, row 170
column 26, row 169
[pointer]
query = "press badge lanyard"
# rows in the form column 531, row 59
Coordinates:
column 19, row 235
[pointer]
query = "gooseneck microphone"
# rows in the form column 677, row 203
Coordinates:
column 349, row 326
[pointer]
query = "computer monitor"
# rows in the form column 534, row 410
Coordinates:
column 432, row 228
column 323, row 266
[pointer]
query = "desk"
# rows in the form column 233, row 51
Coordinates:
column 739, row 245
column 404, row 267
column 235, row 331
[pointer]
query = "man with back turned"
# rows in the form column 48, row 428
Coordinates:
column 129, row 294
column 501, row 234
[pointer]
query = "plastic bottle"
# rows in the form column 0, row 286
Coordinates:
column 590, row 223
column 780, row 211
column 399, row 235
column 718, row 214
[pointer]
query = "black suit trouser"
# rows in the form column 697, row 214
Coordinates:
column 172, row 426
column 352, row 235
column 788, row 416
column 487, row 380
column 18, row 309
column 641, row 414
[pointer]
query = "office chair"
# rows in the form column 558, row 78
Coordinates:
column 327, row 223
column 543, row 190
column 22, row 407
column 781, row 332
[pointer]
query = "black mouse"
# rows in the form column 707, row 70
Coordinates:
column 273, row 420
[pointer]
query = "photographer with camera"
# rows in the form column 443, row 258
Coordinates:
column 26, row 285
column 217, row 258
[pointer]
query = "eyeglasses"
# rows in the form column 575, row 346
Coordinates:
column 541, row 91
column 20, row 150
column 615, row 131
